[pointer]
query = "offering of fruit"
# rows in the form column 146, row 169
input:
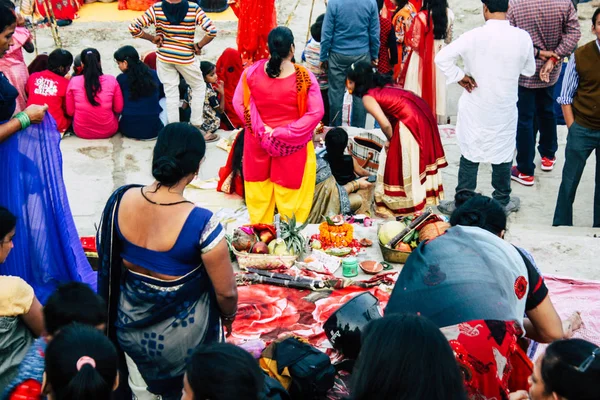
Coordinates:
column 404, row 247
column 243, row 239
column 339, row 251
column 260, row 248
column 316, row 244
column 388, row 230
column 290, row 233
column 278, row 247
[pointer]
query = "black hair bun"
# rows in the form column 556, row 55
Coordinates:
column 167, row 170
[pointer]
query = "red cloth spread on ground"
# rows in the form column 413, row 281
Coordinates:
column 266, row 312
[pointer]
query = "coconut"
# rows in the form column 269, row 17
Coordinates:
column 389, row 230
column 243, row 241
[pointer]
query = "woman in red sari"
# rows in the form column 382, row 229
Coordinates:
column 256, row 18
column 62, row 9
column 281, row 105
column 229, row 70
column 430, row 31
column 409, row 169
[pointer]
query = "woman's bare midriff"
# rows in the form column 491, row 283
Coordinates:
column 143, row 271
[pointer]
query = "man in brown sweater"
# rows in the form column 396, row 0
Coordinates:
column 580, row 100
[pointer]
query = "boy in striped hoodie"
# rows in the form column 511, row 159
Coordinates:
column 175, row 22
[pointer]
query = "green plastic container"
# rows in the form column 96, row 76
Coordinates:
column 349, row 267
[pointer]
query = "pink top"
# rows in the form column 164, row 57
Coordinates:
column 274, row 102
column 95, row 122
column 14, row 67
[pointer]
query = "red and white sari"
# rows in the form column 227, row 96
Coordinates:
column 409, row 174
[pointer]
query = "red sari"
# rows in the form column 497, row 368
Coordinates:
column 256, row 18
column 417, row 137
column 62, row 9
column 229, row 70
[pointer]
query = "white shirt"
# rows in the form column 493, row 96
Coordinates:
column 495, row 55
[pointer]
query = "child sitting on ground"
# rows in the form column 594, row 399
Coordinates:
column 213, row 108
column 50, row 87
column 71, row 302
column 81, row 363
column 344, row 167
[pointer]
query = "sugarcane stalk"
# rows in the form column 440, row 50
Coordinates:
column 259, row 279
column 410, row 228
column 52, row 20
column 276, row 275
column 310, row 19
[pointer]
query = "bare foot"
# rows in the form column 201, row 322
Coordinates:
column 571, row 324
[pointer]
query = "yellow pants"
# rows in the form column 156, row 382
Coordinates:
column 262, row 197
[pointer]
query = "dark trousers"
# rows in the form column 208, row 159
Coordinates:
column 336, row 74
column 467, row 179
column 536, row 111
column 581, row 142
column 325, row 96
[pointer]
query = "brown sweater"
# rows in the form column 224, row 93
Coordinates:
column 586, row 102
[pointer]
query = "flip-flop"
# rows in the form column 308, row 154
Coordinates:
column 213, row 137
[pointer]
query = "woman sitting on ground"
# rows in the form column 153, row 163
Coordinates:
column 94, row 100
column 142, row 92
column 570, row 369
column 50, row 87
column 343, row 166
column 478, row 287
column 409, row 176
column 417, row 363
column 222, row 371
column 20, row 311
column 154, row 243
column 81, row 363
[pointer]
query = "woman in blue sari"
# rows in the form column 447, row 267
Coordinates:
column 48, row 251
column 165, row 270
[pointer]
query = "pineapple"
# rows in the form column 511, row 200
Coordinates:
column 290, row 233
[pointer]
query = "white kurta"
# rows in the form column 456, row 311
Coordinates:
column 495, row 55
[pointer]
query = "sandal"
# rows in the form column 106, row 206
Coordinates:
column 211, row 137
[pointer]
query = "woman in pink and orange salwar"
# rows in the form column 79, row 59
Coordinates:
column 281, row 105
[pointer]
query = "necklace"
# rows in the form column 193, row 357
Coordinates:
column 162, row 204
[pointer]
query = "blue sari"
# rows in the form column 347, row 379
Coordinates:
column 47, row 248
column 157, row 323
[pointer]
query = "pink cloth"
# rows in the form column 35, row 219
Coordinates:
column 569, row 295
column 95, row 122
column 14, row 67
column 259, row 165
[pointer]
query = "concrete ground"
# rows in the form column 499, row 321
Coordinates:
column 93, row 169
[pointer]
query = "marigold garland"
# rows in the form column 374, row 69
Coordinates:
column 336, row 235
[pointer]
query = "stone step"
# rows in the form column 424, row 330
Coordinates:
column 565, row 251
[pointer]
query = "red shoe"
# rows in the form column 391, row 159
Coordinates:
column 523, row 179
column 548, row 163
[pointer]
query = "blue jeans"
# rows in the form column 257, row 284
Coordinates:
column 336, row 74
column 536, row 111
column 581, row 142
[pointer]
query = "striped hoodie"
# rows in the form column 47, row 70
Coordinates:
column 178, row 40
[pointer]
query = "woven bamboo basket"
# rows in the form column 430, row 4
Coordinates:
column 263, row 261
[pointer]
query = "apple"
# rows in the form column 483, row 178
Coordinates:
column 266, row 236
column 260, row 248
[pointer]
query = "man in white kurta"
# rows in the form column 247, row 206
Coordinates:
column 494, row 56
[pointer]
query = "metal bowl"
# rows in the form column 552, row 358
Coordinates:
column 393, row 256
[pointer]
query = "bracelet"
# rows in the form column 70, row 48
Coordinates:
column 554, row 60
column 23, row 118
column 229, row 316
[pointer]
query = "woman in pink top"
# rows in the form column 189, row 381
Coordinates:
column 94, row 100
column 281, row 104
